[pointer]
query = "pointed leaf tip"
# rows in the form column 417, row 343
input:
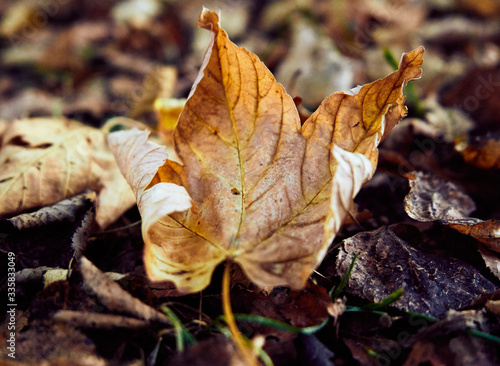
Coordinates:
column 208, row 20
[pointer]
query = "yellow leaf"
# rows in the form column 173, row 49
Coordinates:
column 46, row 160
column 168, row 111
column 254, row 186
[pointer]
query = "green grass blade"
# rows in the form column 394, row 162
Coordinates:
column 486, row 336
column 388, row 300
column 335, row 293
column 277, row 324
column 182, row 334
column 357, row 309
column 391, row 60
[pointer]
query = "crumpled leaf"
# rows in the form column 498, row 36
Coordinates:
column 491, row 260
column 115, row 298
column 52, row 235
column 216, row 350
column 447, row 342
column 46, row 160
column 432, row 284
column 53, row 345
column 432, row 199
column 263, row 191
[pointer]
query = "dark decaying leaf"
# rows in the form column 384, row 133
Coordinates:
column 116, row 299
column 300, row 308
column 53, row 346
column 432, row 199
column 432, row 284
column 213, row 351
column 48, row 237
column 448, row 343
column 312, row 352
column 491, row 260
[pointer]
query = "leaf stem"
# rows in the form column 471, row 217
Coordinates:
column 245, row 352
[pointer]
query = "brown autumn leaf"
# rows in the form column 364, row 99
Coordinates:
column 254, row 186
column 432, row 199
column 46, row 160
column 483, row 152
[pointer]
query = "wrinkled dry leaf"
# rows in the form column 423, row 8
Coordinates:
column 66, row 210
column 53, row 346
column 46, row 160
column 47, row 237
column 432, row 284
column 447, row 342
column 491, row 260
column 82, row 233
column 217, row 350
column 111, row 295
column 432, row 199
column 263, row 191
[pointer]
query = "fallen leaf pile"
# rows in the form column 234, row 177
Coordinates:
column 138, row 169
column 255, row 186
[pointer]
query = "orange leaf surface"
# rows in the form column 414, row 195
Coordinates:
column 484, row 154
column 262, row 190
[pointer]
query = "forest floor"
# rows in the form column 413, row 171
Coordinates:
column 412, row 277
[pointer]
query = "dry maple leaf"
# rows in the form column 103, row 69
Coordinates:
column 46, row 160
column 262, row 190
